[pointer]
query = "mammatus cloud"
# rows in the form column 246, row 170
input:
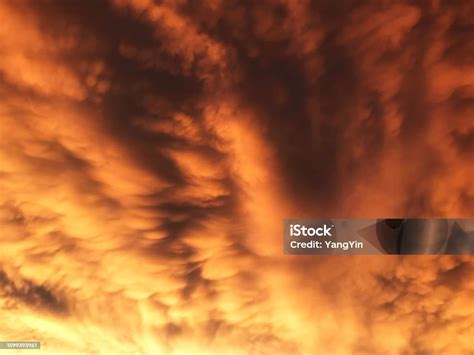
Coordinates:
column 149, row 151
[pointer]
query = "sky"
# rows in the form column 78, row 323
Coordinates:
column 150, row 150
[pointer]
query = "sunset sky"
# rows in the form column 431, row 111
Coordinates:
column 149, row 151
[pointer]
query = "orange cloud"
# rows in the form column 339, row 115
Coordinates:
column 150, row 151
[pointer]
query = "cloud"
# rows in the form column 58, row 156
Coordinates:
column 150, row 151
column 34, row 295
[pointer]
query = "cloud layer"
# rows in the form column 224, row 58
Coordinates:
column 150, row 150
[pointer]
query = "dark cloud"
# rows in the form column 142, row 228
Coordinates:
column 37, row 296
